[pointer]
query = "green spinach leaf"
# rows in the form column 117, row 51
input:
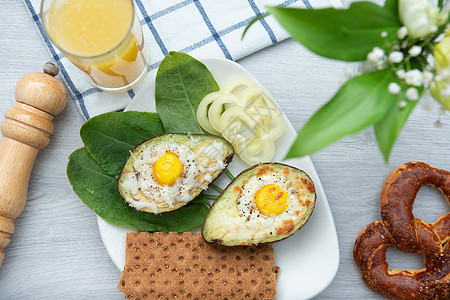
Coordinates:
column 181, row 84
column 344, row 34
column 361, row 102
column 109, row 137
column 98, row 190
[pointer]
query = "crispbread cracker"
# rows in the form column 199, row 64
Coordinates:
column 184, row 266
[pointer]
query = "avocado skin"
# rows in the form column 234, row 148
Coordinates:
column 176, row 136
column 212, row 237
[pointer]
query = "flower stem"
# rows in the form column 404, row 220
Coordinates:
column 229, row 174
column 210, row 197
column 218, row 189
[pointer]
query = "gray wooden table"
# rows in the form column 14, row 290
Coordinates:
column 57, row 252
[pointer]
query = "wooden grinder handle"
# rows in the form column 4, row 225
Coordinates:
column 26, row 130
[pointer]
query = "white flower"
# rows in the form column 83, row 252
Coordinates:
column 395, row 57
column 378, row 51
column 401, row 73
column 412, row 94
column 419, row 16
column 402, row 32
column 402, row 104
column 384, row 34
column 394, row 88
column 414, row 77
column 427, row 76
column 415, row 51
column 376, row 55
column 371, row 57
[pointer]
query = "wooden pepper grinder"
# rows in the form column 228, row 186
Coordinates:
column 26, row 130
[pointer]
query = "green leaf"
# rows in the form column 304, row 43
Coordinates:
column 392, row 5
column 347, row 35
column 181, row 84
column 109, row 137
column 98, row 190
column 361, row 102
column 388, row 128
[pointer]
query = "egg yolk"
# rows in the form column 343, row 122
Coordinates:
column 271, row 200
column 167, row 169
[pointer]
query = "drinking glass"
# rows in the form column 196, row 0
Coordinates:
column 103, row 38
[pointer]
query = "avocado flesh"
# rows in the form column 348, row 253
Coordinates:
column 224, row 224
column 196, row 143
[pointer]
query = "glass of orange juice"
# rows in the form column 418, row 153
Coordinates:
column 103, row 38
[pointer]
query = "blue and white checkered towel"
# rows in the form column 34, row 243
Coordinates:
column 202, row 28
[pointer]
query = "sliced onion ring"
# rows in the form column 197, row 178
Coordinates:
column 232, row 85
column 216, row 109
column 202, row 112
column 236, row 114
column 254, row 148
column 247, row 97
column 246, row 115
column 264, row 156
column 272, row 127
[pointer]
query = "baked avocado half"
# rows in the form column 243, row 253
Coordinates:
column 265, row 203
column 167, row 171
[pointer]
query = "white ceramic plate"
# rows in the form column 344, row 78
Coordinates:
column 309, row 259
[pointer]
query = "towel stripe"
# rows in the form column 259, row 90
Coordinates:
column 307, row 4
column 212, row 30
column 263, row 21
column 289, row 2
column 152, row 28
column 131, row 93
column 90, row 92
column 171, row 9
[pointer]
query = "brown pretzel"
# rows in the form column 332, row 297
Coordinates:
column 401, row 229
column 397, row 199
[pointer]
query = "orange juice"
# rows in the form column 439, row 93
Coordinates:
column 101, row 37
